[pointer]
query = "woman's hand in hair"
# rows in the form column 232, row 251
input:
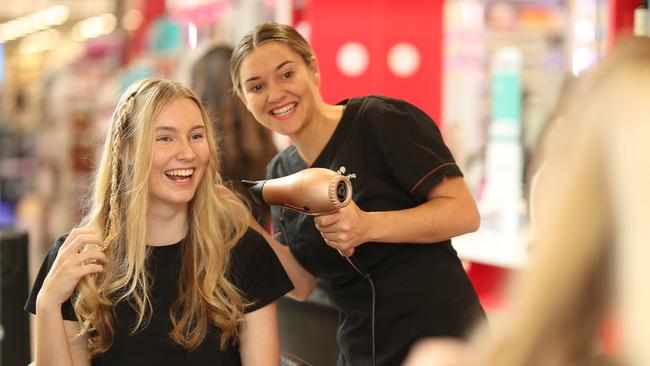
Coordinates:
column 81, row 254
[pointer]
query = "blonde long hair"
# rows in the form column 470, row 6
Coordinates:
column 216, row 223
column 593, row 253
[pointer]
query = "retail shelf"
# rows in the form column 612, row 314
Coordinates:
column 494, row 248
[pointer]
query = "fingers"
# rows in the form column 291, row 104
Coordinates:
column 325, row 221
column 345, row 249
column 340, row 230
column 73, row 235
column 92, row 256
column 81, row 254
column 83, row 247
column 336, row 234
column 91, row 261
column 91, row 268
column 337, row 237
column 81, row 242
column 335, row 230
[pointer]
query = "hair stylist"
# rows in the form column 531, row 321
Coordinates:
column 409, row 200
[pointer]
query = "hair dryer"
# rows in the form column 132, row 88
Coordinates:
column 312, row 191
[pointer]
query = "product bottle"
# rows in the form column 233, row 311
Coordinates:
column 502, row 198
column 641, row 20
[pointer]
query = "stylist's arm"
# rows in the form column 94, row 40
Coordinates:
column 449, row 211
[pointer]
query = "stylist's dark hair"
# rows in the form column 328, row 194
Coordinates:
column 246, row 145
column 264, row 33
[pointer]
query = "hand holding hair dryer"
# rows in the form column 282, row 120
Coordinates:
column 312, row 191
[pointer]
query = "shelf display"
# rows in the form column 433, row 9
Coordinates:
column 505, row 63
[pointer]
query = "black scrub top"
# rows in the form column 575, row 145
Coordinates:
column 254, row 269
column 393, row 154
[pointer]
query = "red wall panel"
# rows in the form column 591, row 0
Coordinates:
column 379, row 25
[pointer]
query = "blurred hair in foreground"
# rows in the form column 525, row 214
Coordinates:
column 592, row 253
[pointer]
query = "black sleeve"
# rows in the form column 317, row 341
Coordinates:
column 67, row 311
column 256, row 271
column 411, row 145
column 274, row 169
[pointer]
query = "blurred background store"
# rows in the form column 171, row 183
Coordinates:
column 489, row 72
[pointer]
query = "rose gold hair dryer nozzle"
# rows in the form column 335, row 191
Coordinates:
column 312, row 191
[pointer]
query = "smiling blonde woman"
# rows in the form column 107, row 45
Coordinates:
column 164, row 269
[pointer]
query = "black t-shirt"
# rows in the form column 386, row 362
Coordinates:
column 393, row 154
column 254, row 269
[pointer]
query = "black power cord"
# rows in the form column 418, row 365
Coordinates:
column 357, row 267
column 360, row 270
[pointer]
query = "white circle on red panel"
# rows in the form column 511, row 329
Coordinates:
column 352, row 59
column 403, row 60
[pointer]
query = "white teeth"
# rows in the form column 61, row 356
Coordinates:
column 284, row 110
column 180, row 172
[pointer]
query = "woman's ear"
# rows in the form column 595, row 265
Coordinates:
column 242, row 98
column 316, row 69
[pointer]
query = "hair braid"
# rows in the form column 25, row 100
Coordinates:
column 94, row 315
column 110, row 231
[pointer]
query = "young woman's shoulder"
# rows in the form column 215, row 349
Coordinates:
column 382, row 109
column 251, row 250
column 256, row 271
column 383, row 100
column 384, row 103
column 251, row 241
